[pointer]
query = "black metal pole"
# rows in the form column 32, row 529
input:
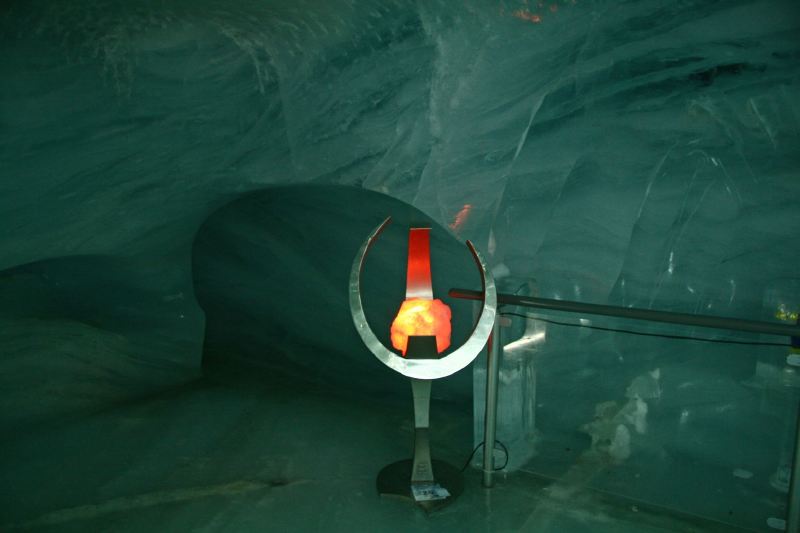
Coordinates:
column 493, row 355
column 793, row 511
column 704, row 321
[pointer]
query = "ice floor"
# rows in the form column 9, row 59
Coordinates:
column 186, row 180
column 241, row 455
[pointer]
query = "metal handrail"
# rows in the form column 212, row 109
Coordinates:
column 705, row 321
column 495, row 348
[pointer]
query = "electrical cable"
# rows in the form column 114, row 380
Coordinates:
column 661, row 335
column 497, row 469
column 615, row 330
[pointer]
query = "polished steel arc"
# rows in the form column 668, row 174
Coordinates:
column 423, row 368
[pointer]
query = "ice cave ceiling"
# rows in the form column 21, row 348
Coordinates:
column 644, row 153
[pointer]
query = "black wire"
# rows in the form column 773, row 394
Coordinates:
column 505, row 451
column 470, row 457
column 662, row 335
column 497, row 469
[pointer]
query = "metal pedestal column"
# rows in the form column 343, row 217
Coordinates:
column 422, row 472
column 793, row 511
column 490, row 422
column 421, row 478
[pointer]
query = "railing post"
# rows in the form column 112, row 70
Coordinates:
column 490, row 422
column 793, row 510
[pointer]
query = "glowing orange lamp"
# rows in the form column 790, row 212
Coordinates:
column 420, row 314
column 421, row 333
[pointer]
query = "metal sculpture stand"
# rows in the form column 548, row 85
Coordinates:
column 424, row 368
column 422, row 471
column 414, row 478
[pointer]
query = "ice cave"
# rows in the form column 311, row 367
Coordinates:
column 184, row 188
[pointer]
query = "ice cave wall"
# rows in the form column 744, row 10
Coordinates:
column 642, row 153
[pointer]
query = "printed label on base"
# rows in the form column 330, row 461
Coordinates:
column 425, row 492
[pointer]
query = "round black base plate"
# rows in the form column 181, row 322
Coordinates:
column 395, row 480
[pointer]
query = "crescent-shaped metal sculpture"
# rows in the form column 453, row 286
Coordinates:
column 423, row 368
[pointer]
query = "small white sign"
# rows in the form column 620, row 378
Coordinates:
column 425, row 492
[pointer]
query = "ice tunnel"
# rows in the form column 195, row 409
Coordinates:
column 252, row 262
column 183, row 187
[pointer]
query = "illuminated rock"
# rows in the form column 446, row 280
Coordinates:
column 420, row 316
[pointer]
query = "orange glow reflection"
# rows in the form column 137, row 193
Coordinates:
column 524, row 14
column 461, row 217
column 419, row 316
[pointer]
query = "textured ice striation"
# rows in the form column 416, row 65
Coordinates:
column 639, row 153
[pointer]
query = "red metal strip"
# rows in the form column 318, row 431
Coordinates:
column 418, row 275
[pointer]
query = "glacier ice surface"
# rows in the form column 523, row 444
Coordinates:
column 643, row 154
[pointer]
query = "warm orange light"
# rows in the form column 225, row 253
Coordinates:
column 461, row 217
column 419, row 316
column 524, row 14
